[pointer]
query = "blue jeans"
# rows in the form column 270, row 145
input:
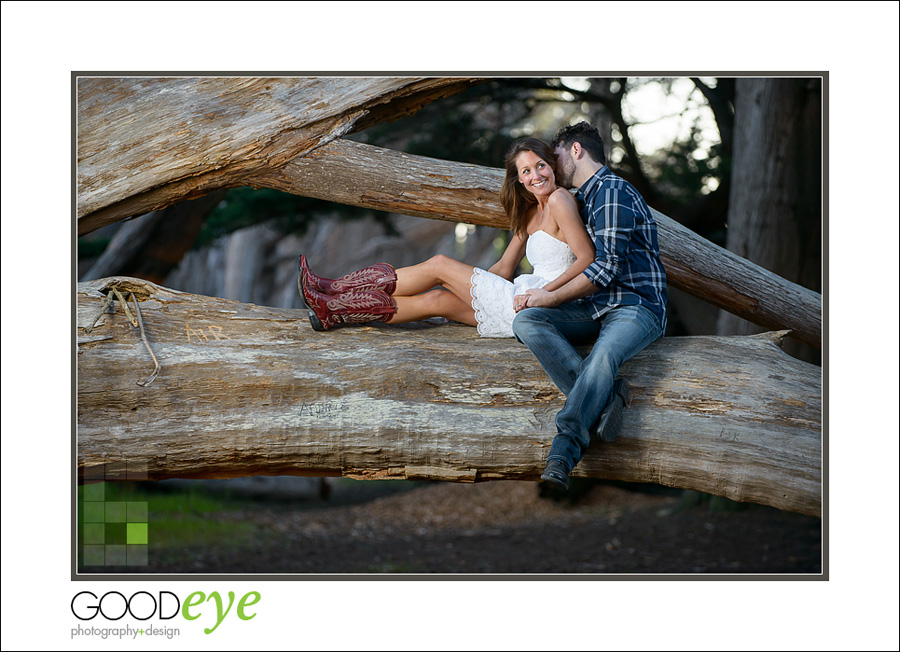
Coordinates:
column 552, row 335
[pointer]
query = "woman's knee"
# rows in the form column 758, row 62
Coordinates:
column 435, row 300
column 440, row 262
column 442, row 303
column 451, row 273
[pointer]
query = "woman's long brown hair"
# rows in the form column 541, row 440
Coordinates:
column 513, row 197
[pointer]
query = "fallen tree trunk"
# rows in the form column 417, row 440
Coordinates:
column 145, row 143
column 246, row 390
column 372, row 177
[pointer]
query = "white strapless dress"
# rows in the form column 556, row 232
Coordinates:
column 492, row 295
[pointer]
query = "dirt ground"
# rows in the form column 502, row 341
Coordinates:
column 503, row 528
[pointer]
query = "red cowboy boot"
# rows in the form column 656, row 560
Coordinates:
column 377, row 277
column 355, row 307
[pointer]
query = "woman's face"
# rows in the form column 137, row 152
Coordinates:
column 535, row 174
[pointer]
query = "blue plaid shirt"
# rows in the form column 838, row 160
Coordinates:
column 627, row 268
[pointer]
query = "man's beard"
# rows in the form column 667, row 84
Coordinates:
column 565, row 174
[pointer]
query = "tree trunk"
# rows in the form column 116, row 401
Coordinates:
column 382, row 179
column 146, row 143
column 246, row 390
column 775, row 209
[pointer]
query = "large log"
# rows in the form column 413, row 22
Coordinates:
column 247, row 390
column 144, row 143
column 382, row 179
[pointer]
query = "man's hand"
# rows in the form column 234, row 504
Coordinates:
column 536, row 298
column 577, row 288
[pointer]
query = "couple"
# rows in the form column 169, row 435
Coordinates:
column 597, row 278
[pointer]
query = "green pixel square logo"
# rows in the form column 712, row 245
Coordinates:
column 116, row 555
column 136, row 512
column 136, row 555
column 94, row 492
column 94, row 512
column 94, row 533
column 116, row 534
column 94, row 555
column 137, row 533
column 114, row 531
column 116, row 512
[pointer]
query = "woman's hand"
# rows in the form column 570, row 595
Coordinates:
column 537, row 298
column 577, row 288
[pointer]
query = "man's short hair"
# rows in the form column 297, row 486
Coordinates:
column 584, row 134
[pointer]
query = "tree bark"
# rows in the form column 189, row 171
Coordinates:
column 247, row 390
column 775, row 208
column 145, row 143
column 372, row 177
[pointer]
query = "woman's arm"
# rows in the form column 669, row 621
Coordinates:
column 509, row 262
column 564, row 210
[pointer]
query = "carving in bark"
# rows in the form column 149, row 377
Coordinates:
column 246, row 390
column 145, row 143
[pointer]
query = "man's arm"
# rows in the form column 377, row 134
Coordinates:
column 577, row 288
column 614, row 224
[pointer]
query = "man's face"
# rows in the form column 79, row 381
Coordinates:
column 565, row 167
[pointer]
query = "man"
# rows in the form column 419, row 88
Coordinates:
column 619, row 302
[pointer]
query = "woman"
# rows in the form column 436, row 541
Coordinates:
column 546, row 227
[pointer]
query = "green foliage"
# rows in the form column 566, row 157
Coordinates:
column 92, row 247
column 684, row 170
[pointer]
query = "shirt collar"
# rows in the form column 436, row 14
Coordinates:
column 589, row 185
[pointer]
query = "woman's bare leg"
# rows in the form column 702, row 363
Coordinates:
column 437, row 303
column 438, row 270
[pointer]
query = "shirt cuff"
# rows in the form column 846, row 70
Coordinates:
column 599, row 275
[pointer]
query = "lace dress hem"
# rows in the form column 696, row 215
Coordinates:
column 492, row 295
